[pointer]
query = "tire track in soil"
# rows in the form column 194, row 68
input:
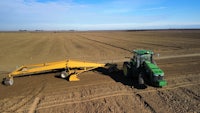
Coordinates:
column 22, row 104
column 60, row 89
column 146, row 104
column 102, row 50
column 177, row 99
column 179, row 56
column 188, row 76
column 159, row 103
column 88, row 49
column 142, row 43
column 33, row 107
column 172, row 87
column 88, row 94
column 174, row 83
column 190, row 93
column 119, row 40
column 70, row 93
column 88, row 98
column 163, row 98
column 96, row 97
column 117, row 93
column 118, row 47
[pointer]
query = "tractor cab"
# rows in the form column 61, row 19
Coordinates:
column 142, row 55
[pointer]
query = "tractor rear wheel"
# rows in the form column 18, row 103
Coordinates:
column 126, row 69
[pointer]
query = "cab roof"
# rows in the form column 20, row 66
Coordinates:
column 142, row 52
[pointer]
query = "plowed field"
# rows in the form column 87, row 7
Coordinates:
column 179, row 57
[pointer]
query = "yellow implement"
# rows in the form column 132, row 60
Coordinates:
column 70, row 69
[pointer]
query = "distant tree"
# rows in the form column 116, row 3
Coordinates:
column 22, row 30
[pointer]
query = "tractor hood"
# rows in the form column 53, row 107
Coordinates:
column 154, row 69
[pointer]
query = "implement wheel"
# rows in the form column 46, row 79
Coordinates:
column 64, row 74
column 8, row 81
column 126, row 69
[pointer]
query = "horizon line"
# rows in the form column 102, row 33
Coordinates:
column 73, row 30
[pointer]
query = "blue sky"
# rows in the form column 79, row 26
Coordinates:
column 98, row 14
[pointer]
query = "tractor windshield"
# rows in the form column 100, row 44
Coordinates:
column 139, row 59
column 146, row 57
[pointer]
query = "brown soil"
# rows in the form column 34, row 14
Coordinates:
column 98, row 91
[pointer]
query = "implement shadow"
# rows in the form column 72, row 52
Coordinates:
column 116, row 74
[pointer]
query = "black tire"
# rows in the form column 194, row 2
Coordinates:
column 127, row 69
column 8, row 81
column 64, row 74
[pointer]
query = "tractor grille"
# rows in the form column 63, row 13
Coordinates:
column 156, row 78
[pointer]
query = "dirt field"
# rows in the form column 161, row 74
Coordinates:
column 179, row 57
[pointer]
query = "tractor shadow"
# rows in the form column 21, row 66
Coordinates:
column 116, row 73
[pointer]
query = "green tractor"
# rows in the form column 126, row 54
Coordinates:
column 143, row 67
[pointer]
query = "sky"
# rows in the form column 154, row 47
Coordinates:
column 98, row 14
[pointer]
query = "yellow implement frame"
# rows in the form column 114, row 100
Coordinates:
column 71, row 68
